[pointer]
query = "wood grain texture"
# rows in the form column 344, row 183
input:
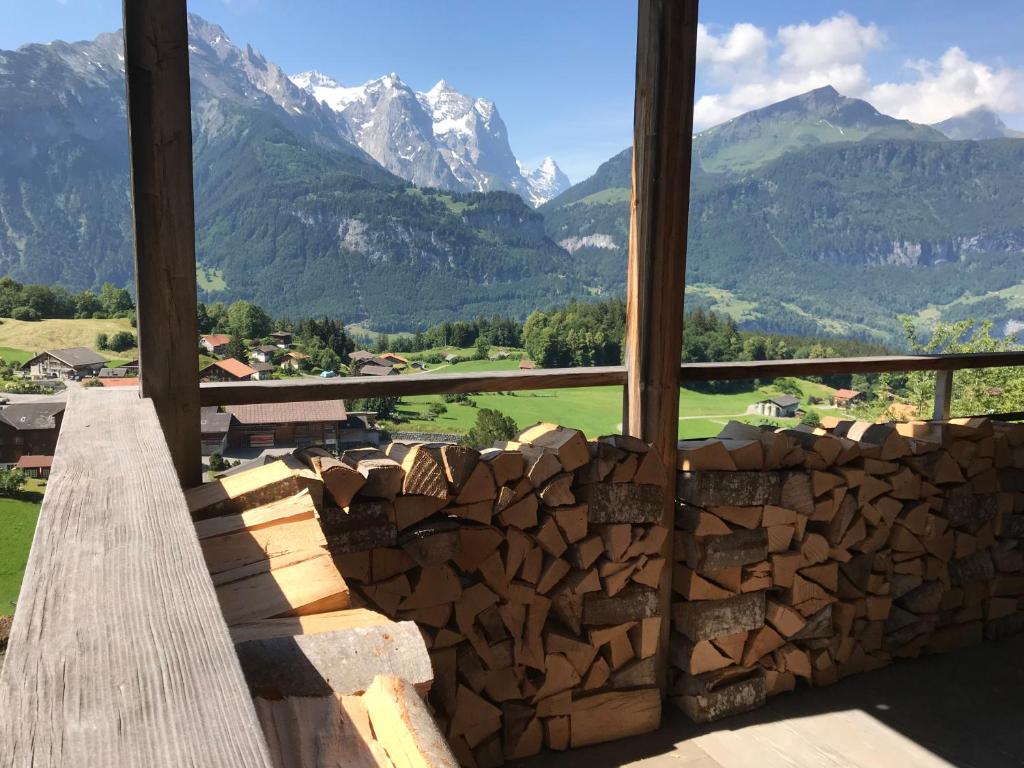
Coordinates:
column 666, row 64
column 163, row 219
column 119, row 654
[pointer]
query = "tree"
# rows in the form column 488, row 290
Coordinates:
column 975, row 392
column 121, row 341
column 12, row 480
column 811, row 419
column 102, row 340
column 87, row 304
column 383, row 407
column 483, row 348
column 115, row 300
column 247, row 321
column 437, row 409
column 217, row 462
column 25, row 313
column 491, row 426
column 236, row 349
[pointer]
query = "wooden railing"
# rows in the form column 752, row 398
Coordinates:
column 119, row 655
column 303, row 390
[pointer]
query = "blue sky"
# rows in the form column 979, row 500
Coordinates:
column 561, row 72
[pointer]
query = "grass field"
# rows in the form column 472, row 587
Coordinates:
column 59, row 334
column 595, row 410
column 17, row 525
column 12, row 355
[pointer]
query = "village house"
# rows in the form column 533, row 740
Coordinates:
column 526, row 365
column 360, row 355
column 282, row 339
column 276, row 425
column 263, row 371
column 29, row 429
column 843, row 398
column 264, row 354
column 64, row 364
column 294, row 360
column 227, row 370
column 215, row 343
column 393, row 359
column 778, row 407
column 370, row 369
column 36, row 467
column 213, row 427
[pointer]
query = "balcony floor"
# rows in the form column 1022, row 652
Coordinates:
column 964, row 709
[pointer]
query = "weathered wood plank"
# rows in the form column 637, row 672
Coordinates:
column 160, row 137
column 119, row 654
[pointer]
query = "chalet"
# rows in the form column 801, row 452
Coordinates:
column 121, row 372
column 843, row 398
column 213, row 427
column 263, row 371
column 359, row 355
column 64, row 364
column 294, row 360
column 36, row 467
column 393, row 359
column 215, row 343
column 275, row 425
column 371, row 369
column 526, row 365
column 282, row 339
column 264, row 354
column 227, row 370
column 778, row 407
column 28, row 429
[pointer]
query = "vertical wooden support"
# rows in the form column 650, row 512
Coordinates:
column 160, row 134
column 943, row 395
column 662, row 137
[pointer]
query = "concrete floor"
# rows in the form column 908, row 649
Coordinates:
column 965, row 709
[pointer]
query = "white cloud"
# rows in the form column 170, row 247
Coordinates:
column 746, row 68
column 839, row 40
column 951, row 86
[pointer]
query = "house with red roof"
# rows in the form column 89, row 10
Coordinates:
column 227, row 370
column 215, row 343
column 37, row 467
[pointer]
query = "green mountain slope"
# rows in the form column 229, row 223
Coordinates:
column 818, row 117
column 842, row 238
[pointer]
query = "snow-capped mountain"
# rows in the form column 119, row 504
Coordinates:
column 437, row 138
column 546, row 181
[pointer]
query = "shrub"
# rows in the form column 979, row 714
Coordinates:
column 217, row 464
column 92, row 383
column 811, row 419
column 436, row 409
column 102, row 340
column 455, row 397
column 491, row 426
column 25, row 313
column 12, row 481
column 121, row 341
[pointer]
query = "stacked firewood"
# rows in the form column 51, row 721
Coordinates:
column 531, row 571
column 815, row 554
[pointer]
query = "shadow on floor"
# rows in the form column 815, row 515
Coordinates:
column 966, row 708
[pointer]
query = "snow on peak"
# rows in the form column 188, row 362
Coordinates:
column 545, row 181
column 314, row 79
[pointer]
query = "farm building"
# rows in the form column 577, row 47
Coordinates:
column 29, row 429
column 36, row 467
column 282, row 339
column 264, row 353
column 213, row 426
column 263, row 371
column 294, row 360
column 273, row 425
column 370, row 369
column 64, row 363
column 844, row 398
column 227, row 370
column 778, row 407
column 215, row 343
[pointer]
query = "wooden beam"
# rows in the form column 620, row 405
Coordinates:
column 119, row 654
column 304, row 390
column 160, row 134
column 666, row 63
column 943, row 395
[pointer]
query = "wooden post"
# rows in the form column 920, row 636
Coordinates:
column 160, row 134
column 662, row 137
column 943, row 395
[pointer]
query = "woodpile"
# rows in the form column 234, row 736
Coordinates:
column 531, row 573
column 810, row 555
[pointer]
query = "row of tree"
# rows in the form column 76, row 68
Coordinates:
column 39, row 302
